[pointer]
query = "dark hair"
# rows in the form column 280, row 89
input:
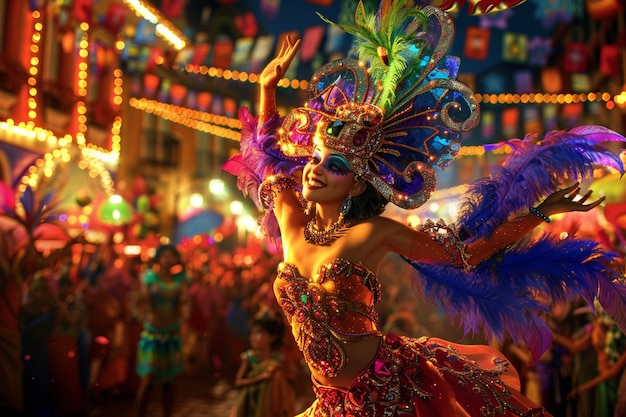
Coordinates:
column 369, row 204
column 159, row 251
column 274, row 324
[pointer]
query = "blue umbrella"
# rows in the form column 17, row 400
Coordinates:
column 201, row 222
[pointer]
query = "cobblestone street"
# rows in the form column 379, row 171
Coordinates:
column 197, row 396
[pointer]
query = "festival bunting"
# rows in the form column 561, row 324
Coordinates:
column 493, row 83
column 261, row 51
column 241, row 54
column 550, row 114
column 539, row 49
column 270, row 8
column 487, row 125
column 581, row 82
column 515, row 48
column 532, row 119
column 609, row 60
column 510, row 120
column 551, row 80
column 222, row 53
column 576, row 57
column 115, row 17
column 523, row 82
column 247, row 25
column 172, row 9
column 311, row 42
column 571, row 115
column 145, row 34
column 476, row 43
column 496, row 20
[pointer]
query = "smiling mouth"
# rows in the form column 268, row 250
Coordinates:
column 312, row 183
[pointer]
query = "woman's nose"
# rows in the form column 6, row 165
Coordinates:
column 317, row 167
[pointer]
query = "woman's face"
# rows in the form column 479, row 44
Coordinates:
column 327, row 177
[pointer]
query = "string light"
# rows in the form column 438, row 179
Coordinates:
column 33, row 71
column 502, row 98
column 213, row 124
column 164, row 28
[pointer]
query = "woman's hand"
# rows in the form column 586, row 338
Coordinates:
column 271, row 75
column 276, row 69
column 565, row 200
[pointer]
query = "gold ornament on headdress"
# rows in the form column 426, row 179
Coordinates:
column 397, row 111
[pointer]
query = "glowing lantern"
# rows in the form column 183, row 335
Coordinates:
column 115, row 211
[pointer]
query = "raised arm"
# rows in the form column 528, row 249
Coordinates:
column 271, row 75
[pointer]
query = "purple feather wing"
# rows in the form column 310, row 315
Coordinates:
column 532, row 171
column 500, row 296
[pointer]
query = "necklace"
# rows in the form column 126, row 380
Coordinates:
column 324, row 237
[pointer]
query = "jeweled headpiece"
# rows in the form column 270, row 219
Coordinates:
column 393, row 107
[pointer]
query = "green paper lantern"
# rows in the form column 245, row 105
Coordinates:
column 115, row 211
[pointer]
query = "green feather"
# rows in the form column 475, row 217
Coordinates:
column 398, row 31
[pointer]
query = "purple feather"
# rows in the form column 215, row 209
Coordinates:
column 499, row 296
column 532, row 171
column 260, row 157
column 260, row 154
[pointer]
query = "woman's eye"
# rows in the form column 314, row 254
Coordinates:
column 314, row 160
column 335, row 128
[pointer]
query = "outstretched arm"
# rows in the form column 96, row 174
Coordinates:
column 561, row 201
column 271, row 75
column 420, row 246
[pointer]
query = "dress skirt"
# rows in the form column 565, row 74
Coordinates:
column 428, row 377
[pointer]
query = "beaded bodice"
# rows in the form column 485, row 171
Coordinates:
column 332, row 308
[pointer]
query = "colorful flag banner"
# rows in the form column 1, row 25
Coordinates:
column 145, row 33
column 539, row 49
column 172, row 9
column 610, row 60
column 496, row 20
column 493, row 83
column 270, row 8
column 576, row 57
column 551, row 80
column 241, row 54
column 510, row 120
column 581, row 82
column 487, row 125
column 262, row 49
column 550, row 117
column 523, row 82
column 571, row 114
column 247, row 25
column 311, row 41
column 223, row 53
column 115, row 17
column 532, row 119
column 515, row 48
column 476, row 43
column 334, row 39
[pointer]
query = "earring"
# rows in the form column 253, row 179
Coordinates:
column 345, row 207
column 309, row 208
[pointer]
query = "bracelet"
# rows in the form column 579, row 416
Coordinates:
column 269, row 189
column 539, row 214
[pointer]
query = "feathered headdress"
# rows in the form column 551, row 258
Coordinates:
column 393, row 108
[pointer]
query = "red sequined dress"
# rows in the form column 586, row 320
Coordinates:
column 408, row 377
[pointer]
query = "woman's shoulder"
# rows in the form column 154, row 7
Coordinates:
column 380, row 225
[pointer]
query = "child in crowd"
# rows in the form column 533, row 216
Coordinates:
column 264, row 382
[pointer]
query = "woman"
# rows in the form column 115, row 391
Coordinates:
column 159, row 353
column 369, row 136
